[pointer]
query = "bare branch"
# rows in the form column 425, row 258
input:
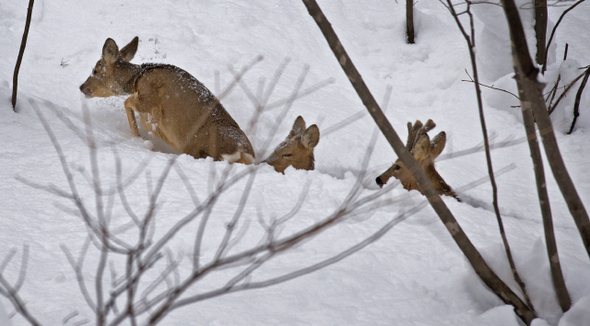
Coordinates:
column 260, row 105
column 566, row 89
column 240, row 209
column 121, row 190
column 471, row 47
column 7, row 259
column 526, row 75
column 171, row 268
column 77, row 268
column 532, row 102
column 578, row 97
column 207, row 209
column 474, row 257
column 245, row 69
column 288, row 103
column 23, row 269
column 52, row 189
column 553, row 32
column 303, row 271
column 301, row 94
column 11, row 291
column 86, row 216
column 489, row 86
column 189, row 188
column 21, row 52
column 540, row 9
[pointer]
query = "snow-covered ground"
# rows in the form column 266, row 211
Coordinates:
column 413, row 275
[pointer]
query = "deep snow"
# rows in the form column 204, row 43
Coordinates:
column 414, row 275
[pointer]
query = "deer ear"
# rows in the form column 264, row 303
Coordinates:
column 438, row 144
column 311, row 137
column 422, row 148
column 298, row 127
column 417, row 126
column 412, row 131
column 128, row 51
column 110, row 51
column 429, row 125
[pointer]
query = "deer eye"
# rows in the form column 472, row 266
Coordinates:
column 396, row 168
column 94, row 72
column 287, row 155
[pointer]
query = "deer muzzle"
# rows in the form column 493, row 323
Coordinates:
column 86, row 90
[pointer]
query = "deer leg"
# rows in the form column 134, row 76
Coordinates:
column 129, row 109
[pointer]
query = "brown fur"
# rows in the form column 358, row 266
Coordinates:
column 425, row 152
column 171, row 103
column 297, row 149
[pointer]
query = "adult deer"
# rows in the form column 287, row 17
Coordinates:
column 297, row 149
column 424, row 151
column 172, row 104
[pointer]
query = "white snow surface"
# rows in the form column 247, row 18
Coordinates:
column 414, row 275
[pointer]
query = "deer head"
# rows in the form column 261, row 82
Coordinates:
column 297, row 148
column 112, row 73
column 425, row 152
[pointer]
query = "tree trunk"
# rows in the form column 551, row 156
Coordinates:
column 541, row 30
column 473, row 256
column 410, row 20
column 531, row 91
column 23, row 44
column 556, row 274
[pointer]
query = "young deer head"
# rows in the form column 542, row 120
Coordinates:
column 424, row 151
column 172, row 105
column 296, row 149
column 112, row 73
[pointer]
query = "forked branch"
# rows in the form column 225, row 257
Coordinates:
column 471, row 253
column 526, row 76
column 10, row 291
column 469, row 36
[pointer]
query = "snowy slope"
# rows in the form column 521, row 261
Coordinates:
column 414, row 275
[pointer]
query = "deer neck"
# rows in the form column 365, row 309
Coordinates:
column 128, row 75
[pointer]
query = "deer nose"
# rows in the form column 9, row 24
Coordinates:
column 85, row 90
column 379, row 182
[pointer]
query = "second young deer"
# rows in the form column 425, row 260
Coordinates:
column 171, row 103
column 297, row 149
column 425, row 152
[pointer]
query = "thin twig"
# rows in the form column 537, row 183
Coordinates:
column 527, row 77
column 189, row 188
column 306, row 270
column 21, row 52
column 488, row 86
column 553, row 32
column 566, row 89
column 240, row 209
column 577, row 102
column 11, row 291
column 470, row 40
column 77, row 268
column 483, row 270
